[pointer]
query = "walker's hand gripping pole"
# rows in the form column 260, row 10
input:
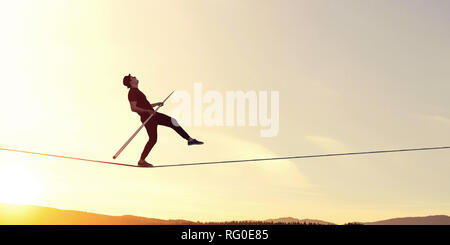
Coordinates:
column 137, row 131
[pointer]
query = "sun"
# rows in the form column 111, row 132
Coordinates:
column 18, row 184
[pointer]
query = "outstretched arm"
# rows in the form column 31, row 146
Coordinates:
column 158, row 104
column 138, row 109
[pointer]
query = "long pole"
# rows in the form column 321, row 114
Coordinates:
column 137, row 131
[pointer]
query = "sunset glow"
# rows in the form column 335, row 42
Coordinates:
column 342, row 76
column 18, row 184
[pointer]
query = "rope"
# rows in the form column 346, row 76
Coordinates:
column 73, row 158
column 239, row 161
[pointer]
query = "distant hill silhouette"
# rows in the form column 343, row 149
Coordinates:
column 35, row 215
column 290, row 220
column 427, row 220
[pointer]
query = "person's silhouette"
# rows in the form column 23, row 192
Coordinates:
column 144, row 109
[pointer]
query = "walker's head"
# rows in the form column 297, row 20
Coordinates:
column 130, row 81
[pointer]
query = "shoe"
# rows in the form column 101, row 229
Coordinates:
column 194, row 142
column 144, row 164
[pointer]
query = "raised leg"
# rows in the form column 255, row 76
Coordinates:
column 164, row 120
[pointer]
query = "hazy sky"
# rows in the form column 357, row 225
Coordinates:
column 352, row 76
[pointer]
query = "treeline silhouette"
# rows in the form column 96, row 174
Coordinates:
column 257, row 223
column 354, row 223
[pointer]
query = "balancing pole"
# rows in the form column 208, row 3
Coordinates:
column 137, row 131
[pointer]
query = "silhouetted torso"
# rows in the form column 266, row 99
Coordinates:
column 136, row 95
